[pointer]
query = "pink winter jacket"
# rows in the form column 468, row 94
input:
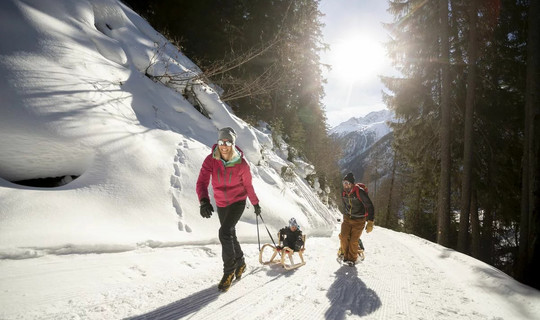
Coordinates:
column 231, row 184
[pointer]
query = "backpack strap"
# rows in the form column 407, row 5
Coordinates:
column 358, row 187
column 362, row 186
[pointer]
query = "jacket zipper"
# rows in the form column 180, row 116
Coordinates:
column 225, row 181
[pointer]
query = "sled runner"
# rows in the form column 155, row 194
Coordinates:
column 284, row 253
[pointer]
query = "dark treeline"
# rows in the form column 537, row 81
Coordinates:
column 466, row 139
column 265, row 57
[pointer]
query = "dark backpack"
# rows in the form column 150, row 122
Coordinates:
column 362, row 186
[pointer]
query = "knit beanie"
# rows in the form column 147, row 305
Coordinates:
column 227, row 133
column 293, row 223
column 349, row 177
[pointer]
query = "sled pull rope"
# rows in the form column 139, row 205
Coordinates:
column 269, row 234
column 258, row 237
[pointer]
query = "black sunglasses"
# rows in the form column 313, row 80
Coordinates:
column 227, row 143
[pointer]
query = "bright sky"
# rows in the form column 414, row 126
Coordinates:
column 356, row 37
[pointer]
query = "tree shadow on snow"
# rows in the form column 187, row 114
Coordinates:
column 181, row 308
column 348, row 295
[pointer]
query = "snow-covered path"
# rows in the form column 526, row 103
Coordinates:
column 403, row 277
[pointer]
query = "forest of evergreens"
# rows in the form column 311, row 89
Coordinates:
column 460, row 141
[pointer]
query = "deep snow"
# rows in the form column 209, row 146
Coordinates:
column 125, row 238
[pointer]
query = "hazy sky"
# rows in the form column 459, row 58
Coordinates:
column 354, row 31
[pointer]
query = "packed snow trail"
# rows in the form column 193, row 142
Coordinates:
column 402, row 277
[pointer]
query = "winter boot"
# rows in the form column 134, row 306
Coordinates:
column 226, row 281
column 349, row 263
column 239, row 271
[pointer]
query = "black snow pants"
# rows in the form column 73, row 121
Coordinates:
column 231, row 254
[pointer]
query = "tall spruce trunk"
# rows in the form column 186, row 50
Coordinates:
column 529, row 242
column 392, row 179
column 443, row 217
column 468, row 138
column 475, row 227
column 487, row 245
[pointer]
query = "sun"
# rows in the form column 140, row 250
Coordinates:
column 356, row 59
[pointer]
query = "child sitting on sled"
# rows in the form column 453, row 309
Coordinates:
column 291, row 236
column 291, row 240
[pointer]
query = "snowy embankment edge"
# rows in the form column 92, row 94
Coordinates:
column 12, row 253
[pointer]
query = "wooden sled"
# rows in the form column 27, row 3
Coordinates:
column 283, row 252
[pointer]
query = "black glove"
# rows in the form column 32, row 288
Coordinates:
column 206, row 208
column 257, row 209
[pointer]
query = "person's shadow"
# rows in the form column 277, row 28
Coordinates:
column 183, row 307
column 349, row 295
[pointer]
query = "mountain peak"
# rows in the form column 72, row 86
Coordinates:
column 373, row 121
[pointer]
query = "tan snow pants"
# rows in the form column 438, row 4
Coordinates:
column 351, row 230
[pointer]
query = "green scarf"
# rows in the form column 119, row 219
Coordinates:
column 236, row 159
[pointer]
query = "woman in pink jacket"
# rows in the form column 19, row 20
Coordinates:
column 231, row 182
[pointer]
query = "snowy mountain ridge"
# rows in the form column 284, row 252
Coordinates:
column 357, row 135
column 376, row 122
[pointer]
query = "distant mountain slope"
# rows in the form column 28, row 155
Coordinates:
column 375, row 122
column 358, row 135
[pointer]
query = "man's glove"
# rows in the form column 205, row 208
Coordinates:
column 257, row 209
column 206, row 208
column 369, row 226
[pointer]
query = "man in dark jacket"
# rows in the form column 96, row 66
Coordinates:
column 292, row 236
column 357, row 209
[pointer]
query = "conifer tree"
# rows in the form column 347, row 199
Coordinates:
column 529, row 244
column 466, row 189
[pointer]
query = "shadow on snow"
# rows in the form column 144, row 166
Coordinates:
column 183, row 307
column 348, row 295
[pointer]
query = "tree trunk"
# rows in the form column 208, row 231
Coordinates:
column 443, row 221
column 468, row 139
column 487, row 223
column 475, row 227
column 529, row 243
column 392, row 179
column 418, row 213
